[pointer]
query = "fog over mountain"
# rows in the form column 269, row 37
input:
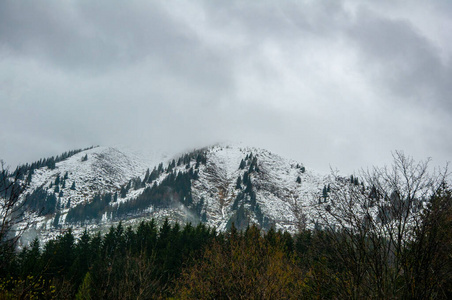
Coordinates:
column 328, row 83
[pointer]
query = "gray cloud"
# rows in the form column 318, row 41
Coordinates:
column 406, row 62
column 336, row 83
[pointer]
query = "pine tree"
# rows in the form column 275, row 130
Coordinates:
column 324, row 193
column 242, row 164
column 51, row 163
column 238, row 184
column 29, row 177
column 146, row 176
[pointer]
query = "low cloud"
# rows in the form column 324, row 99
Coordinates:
column 331, row 83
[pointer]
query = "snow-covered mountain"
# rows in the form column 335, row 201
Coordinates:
column 217, row 185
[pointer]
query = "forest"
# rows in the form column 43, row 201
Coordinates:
column 384, row 235
column 196, row 262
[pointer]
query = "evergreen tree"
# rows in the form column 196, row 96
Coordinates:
column 238, row 184
column 29, row 259
column 242, row 164
column 29, row 176
column 51, row 163
column 146, row 176
column 153, row 176
column 123, row 192
column 57, row 180
column 324, row 193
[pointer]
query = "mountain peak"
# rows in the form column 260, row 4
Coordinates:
column 217, row 185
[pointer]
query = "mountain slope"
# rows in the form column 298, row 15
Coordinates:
column 218, row 185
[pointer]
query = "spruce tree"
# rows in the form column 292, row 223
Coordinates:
column 324, row 193
column 242, row 164
column 238, row 184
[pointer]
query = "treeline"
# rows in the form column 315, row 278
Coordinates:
column 125, row 263
column 198, row 263
column 385, row 236
column 48, row 201
column 45, row 162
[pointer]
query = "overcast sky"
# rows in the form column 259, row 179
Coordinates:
column 328, row 83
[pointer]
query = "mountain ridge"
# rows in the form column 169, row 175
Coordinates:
column 215, row 185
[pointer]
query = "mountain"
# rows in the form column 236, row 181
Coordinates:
column 219, row 185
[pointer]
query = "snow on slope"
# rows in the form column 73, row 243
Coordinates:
column 216, row 182
column 106, row 169
column 275, row 185
column 280, row 193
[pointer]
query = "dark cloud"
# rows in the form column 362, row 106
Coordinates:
column 338, row 83
column 404, row 60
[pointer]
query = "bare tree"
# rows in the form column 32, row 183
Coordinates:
column 13, row 220
column 373, row 221
column 298, row 213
